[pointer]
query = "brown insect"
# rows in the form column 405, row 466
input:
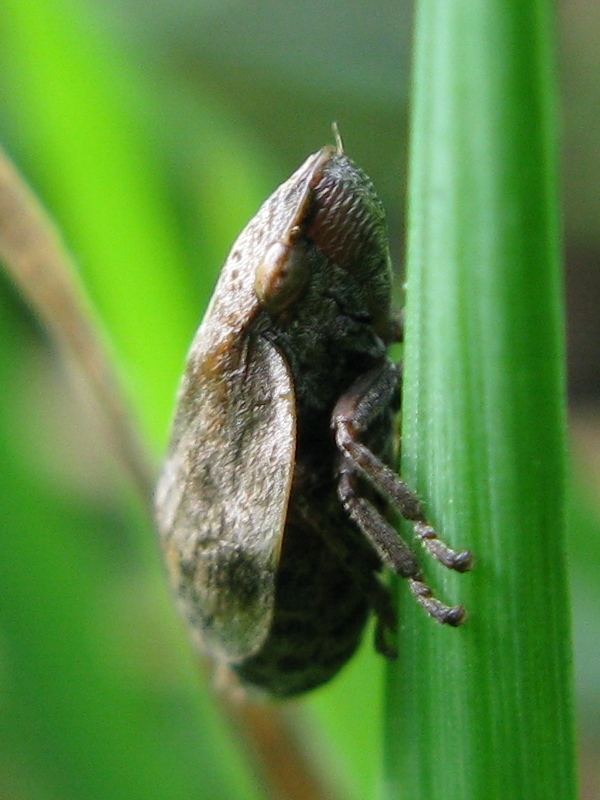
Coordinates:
column 273, row 503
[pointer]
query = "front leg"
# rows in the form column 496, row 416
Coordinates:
column 368, row 398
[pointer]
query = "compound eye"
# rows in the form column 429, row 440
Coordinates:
column 282, row 275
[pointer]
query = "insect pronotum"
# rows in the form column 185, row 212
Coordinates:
column 273, row 503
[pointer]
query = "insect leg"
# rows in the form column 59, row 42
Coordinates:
column 392, row 549
column 369, row 397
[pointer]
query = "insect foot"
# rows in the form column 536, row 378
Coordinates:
column 461, row 561
column 447, row 615
column 273, row 501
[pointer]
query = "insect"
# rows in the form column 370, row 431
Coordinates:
column 274, row 500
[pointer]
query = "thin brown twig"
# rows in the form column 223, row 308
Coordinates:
column 34, row 255
column 274, row 735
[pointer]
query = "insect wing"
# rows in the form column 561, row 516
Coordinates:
column 223, row 496
column 221, row 501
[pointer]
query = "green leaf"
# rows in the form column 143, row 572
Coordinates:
column 485, row 711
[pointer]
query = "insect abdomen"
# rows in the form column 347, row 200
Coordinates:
column 319, row 617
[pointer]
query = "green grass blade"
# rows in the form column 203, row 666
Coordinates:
column 485, row 711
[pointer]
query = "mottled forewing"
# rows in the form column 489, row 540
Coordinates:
column 223, row 496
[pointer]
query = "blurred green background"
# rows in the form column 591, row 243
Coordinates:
column 153, row 131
